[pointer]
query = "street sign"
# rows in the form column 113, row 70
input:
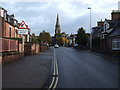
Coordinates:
column 23, row 31
column 23, row 28
column 23, row 25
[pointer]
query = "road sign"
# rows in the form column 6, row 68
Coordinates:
column 23, row 28
column 23, row 31
column 22, row 25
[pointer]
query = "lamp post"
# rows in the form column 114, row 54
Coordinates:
column 90, row 31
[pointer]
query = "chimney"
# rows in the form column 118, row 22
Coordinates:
column 100, row 23
column 115, row 14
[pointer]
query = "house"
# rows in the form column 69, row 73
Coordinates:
column 96, row 31
column 9, row 31
column 71, row 40
column 114, row 39
column 108, row 33
column 9, row 24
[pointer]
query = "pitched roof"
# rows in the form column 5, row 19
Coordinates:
column 113, row 23
column 97, row 29
column 115, row 31
column 116, row 21
column 2, row 8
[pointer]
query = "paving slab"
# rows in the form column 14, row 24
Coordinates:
column 29, row 72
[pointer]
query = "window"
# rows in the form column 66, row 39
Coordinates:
column 116, row 44
column 105, row 27
column 10, row 32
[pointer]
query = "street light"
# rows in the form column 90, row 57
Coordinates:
column 90, row 31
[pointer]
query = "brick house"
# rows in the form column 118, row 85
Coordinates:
column 114, row 40
column 9, row 24
column 109, row 33
column 9, row 32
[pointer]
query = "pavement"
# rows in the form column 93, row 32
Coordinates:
column 29, row 72
column 115, row 59
column 81, row 69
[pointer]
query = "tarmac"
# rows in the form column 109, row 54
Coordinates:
column 29, row 72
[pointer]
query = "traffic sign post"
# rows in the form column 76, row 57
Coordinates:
column 23, row 30
column 23, row 43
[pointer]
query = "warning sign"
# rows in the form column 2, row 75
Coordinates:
column 23, row 28
column 23, row 25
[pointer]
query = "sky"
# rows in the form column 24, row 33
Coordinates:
column 73, row 14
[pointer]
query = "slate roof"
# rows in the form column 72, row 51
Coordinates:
column 2, row 8
column 113, row 23
column 97, row 29
column 115, row 31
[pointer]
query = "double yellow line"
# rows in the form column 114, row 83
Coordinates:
column 55, row 73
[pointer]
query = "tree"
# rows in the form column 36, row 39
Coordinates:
column 81, row 38
column 44, row 37
column 34, row 38
column 62, row 41
column 59, row 41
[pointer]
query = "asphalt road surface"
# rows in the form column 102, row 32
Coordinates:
column 82, row 69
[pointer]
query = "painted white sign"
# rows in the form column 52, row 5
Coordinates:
column 23, row 31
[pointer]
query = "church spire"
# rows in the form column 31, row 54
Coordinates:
column 57, row 21
column 57, row 26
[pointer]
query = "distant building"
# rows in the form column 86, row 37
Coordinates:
column 57, row 31
column 57, row 26
column 71, row 39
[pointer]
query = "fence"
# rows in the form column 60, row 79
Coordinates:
column 8, row 45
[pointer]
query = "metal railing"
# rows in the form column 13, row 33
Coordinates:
column 8, row 45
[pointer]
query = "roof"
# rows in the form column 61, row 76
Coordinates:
column 2, row 8
column 115, row 31
column 116, row 21
column 97, row 29
column 113, row 23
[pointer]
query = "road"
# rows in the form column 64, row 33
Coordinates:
column 82, row 69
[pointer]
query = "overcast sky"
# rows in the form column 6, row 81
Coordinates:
column 41, row 16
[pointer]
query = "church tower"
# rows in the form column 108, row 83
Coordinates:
column 57, row 26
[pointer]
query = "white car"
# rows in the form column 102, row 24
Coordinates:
column 76, row 45
column 56, row 46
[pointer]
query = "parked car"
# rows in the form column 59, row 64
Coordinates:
column 56, row 46
column 76, row 45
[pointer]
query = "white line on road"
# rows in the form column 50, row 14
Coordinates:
column 55, row 73
column 53, row 79
column 56, row 83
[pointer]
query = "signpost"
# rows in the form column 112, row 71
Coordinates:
column 23, row 30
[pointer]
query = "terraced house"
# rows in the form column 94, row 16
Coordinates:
column 9, row 38
column 107, row 35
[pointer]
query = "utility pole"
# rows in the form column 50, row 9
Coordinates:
column 90, row 31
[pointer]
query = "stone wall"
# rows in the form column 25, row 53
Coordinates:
column 8, row 58
column 29, row 49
